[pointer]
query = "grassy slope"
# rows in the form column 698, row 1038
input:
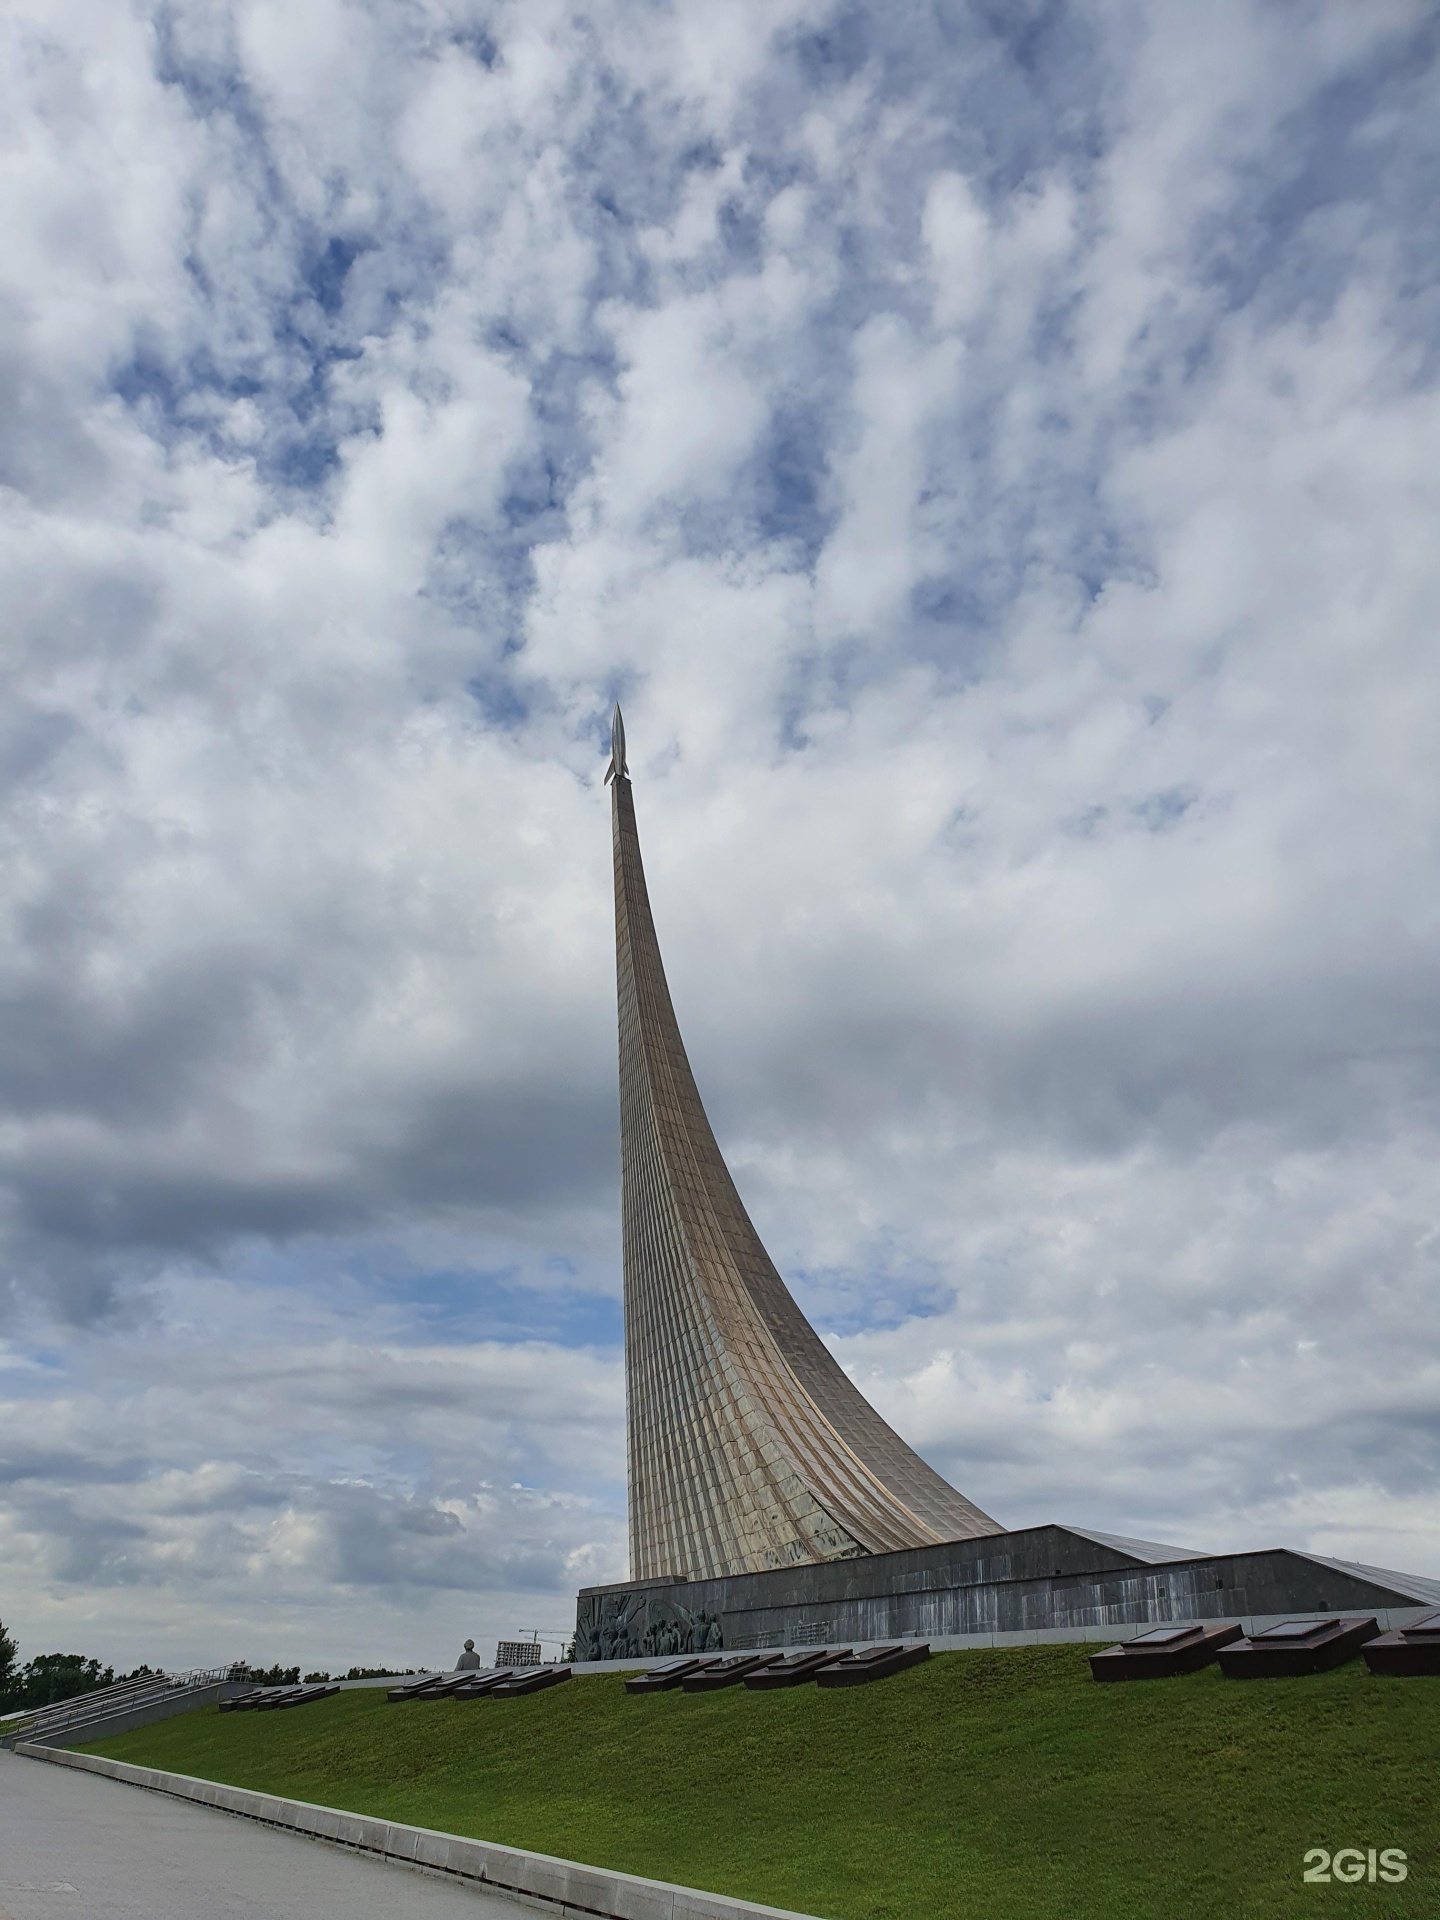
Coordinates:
column 1005, row 1785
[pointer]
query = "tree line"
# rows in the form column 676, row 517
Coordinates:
column 49, row 1677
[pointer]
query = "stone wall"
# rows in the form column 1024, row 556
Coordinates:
column 1041, row 1579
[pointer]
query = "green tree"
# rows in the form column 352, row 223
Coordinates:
column 9, row 1649
column 57, row 1676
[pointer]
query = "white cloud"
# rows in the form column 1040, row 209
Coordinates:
column 352, row 1501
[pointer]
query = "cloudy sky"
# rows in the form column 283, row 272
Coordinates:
column 993, row 451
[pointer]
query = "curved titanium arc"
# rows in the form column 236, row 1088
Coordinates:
column 749, row 1446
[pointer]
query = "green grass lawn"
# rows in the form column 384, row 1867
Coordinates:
column 984, row 1786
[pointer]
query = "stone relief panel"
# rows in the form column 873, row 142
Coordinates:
column 641, row 1625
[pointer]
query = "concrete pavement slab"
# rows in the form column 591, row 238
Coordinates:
column 75, row 1846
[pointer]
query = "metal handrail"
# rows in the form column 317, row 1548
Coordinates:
column 100, row 1702
column 60, row 1710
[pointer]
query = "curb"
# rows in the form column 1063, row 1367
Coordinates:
column 563, row 1888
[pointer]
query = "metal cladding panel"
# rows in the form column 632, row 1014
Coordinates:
column 749, row 1448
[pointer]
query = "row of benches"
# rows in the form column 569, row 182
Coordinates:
column 269, row 1699
column 1292, row 1647
column 694, row 1673
column 485, row 1683
column 761, row 1672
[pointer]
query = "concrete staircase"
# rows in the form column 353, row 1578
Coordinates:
column 129, row 1703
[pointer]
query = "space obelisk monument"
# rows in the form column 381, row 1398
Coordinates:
column 748, row 1446
column 770, row 1505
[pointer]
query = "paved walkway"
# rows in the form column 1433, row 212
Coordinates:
column 74, row 1846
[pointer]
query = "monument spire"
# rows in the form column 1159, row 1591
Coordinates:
column 748, row 1446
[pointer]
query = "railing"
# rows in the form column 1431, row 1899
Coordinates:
column 101, row 1703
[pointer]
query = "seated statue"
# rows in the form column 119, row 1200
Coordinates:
column 469, row 1659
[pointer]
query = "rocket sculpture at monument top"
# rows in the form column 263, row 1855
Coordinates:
column 749, row 1447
